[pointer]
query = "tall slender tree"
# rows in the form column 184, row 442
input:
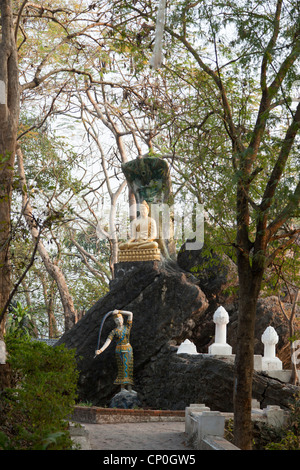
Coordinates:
column 9, row 119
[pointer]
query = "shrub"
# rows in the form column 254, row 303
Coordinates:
column 291, row 432
column 266, row 437
column 36, row 410
column 19, row 322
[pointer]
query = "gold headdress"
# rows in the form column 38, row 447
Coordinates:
column 117, row 315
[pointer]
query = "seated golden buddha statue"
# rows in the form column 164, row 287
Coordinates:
column 144, row 233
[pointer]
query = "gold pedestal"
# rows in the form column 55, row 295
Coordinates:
column 149, row 254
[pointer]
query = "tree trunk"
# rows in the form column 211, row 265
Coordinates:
column 9, row 119
column 53, row 270
column 53, row 331
column 29, row 305
column 49, row 297
column 249, row 288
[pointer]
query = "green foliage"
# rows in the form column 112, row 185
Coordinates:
column 37, row 408
column 4, row 441
column 291, row 432
column 267, row 437
column 19, row 322
column 289, row 442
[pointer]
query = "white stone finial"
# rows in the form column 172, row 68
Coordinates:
column 270, row 339
column 187, row 347
column 220, row 347
column 269, row 336
column 221, row 315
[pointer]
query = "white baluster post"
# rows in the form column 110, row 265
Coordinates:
column 220, row 347
column 269, row 360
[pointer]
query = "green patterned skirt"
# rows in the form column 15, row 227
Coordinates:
column 124, row 356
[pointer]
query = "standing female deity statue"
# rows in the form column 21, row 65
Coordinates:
column 123, row 351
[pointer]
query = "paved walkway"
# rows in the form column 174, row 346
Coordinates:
column 166, row 436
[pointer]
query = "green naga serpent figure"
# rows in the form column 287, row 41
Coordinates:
column 123, row 351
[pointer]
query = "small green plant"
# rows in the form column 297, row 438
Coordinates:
column 229, row 435
column 35, row 412
column 289, row 442
column 266, row 437
column 19, row 321
column 4, row 442
column 88, row 404
column 291, row 432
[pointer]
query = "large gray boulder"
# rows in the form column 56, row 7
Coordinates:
column 166, row 305
column 217, row 277
column 182, row 379
column 169, row 306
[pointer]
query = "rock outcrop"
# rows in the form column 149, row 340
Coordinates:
column 184, row 379
column 217, row 277
column 170, row 305
column 166, row 305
